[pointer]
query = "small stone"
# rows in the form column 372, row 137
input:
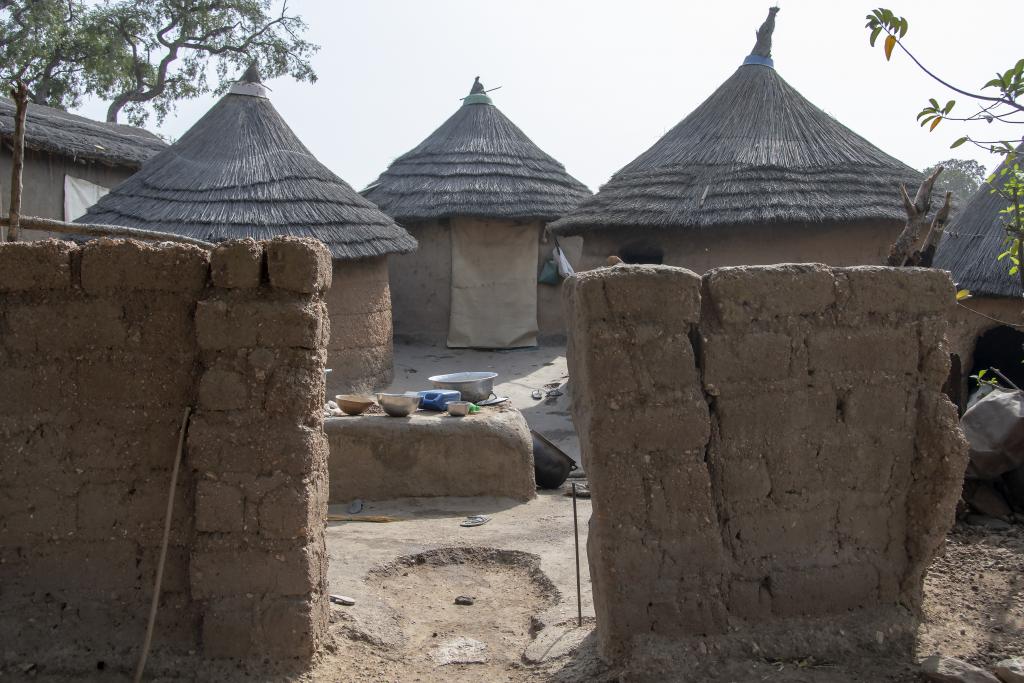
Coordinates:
column 1011, row 670
column 950, row 670
column 464, row 600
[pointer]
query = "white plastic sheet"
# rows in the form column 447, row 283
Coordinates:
column 79, row 195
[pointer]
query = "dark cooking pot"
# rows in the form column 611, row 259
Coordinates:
column 551, row 466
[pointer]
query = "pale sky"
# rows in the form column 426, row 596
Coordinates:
column 595, row 82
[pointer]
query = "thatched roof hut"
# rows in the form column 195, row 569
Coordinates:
column 476, row 193
column 64, row 134
column 478, row 163
column 974, row 239
column 987, row 330
column 69, row 161
column 240, row 171
column 755, row 153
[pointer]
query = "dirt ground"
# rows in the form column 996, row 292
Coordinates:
column 520, row 569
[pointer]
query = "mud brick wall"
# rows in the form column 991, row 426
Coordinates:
column 360, row 352
column 772, row 462
column 102, row 347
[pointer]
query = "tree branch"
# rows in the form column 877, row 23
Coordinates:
column 951, row 86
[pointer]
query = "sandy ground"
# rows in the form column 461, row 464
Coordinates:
column 520, row 373
column 525, row 609
column 525, row 600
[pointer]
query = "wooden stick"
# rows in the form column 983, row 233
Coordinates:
column 150, row 625
column 51, row 225
column 20, row 95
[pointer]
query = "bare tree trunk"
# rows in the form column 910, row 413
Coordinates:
column 20, row 95
column 924, row 257
column 917, row 218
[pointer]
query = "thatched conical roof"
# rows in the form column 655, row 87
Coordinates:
column 59, row 132
column 478, row 163
column 974, row 239
column 756, row 151
column 240, row 171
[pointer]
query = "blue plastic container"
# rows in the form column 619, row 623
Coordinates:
column 437, row 399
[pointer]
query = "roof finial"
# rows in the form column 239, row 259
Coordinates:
column 763, row 46
column 252, row 74
column 477, row 94
column 762, row 52
column 251, row 83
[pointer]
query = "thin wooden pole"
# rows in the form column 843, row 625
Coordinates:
column 20, row 95
column 151, row 623
column 92, row 229
column 576, row 531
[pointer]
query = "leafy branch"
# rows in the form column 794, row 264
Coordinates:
column 998, row 107
column 1003, row 105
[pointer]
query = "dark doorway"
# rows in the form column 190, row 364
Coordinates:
column 1001, row 348
column 642, row 252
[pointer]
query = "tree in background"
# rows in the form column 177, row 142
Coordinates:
column 999, row 99
column 160, row 51
column 41, row 46
column 144, row 56
column 962, row 177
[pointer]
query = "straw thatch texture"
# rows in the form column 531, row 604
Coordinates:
column 756, row 151
column 974, row 239
column 59, row 132
column 478, row 163
column 240, row 171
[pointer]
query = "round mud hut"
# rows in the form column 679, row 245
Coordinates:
column 477, row 194
column 755, row 175
column 987, row 330
column 241, row 172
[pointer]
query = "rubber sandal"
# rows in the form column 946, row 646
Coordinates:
column 474, row 520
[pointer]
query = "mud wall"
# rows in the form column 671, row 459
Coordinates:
column 374, row 457
column 102, row 348
column 770, row 455
column 847, row 244
column 360, row 352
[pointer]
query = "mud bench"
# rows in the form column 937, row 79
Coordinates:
column 376, row 457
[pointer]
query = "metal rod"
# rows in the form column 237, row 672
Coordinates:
column 576, row 531
column 1004, row 378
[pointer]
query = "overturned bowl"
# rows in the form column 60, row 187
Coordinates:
column 399, row 405
column 353, row 404
column 474, row 386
